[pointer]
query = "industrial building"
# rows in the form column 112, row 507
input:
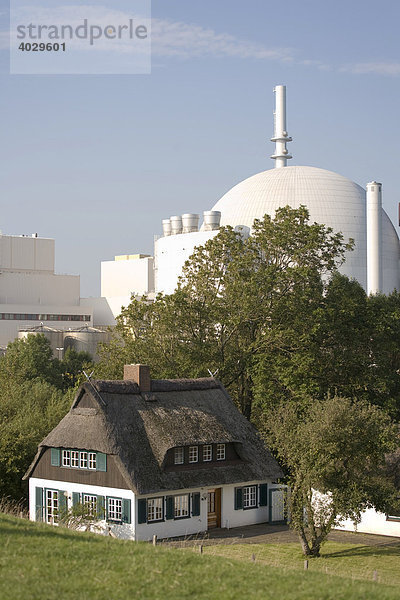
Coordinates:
column 31, row 293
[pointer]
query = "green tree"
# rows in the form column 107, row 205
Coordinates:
column 242, row 308
column 72, row 366
column 30, row 358
column 28, row 412
column 334, row 451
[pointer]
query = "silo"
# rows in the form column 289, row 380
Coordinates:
column 54, row 336
column 86, row 339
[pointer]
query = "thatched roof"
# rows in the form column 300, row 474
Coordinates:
column 139, row 428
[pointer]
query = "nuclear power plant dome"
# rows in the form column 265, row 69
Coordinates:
column 332, row 200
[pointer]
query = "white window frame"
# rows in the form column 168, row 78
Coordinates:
column 155, row 509
column 114, row 509
column 193, row 454
column 179, row 455
column 181, row 506
column 90, row 501
column 207, row 452
column 66, row 458
column 221, row 451
column 250, row 496
column 83, row 460
column 52, row 506
column 92, row 461
column 74, row 459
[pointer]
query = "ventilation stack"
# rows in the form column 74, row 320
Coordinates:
column 176, row 225
column 166, row 225
column 212, row 220
column 190, row 222
column 374, row 238
column 281, row 136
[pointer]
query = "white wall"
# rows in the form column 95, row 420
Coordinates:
column 373, row 522
column 39, row 288
column 124, row 531
column 127, row 277
column 26, row 253
column 170, row 254
column 103, row 315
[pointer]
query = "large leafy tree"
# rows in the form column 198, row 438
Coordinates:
column 334, row 451
column 244, row 308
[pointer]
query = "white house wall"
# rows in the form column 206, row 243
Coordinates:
column 373, row 522
column 124, row 531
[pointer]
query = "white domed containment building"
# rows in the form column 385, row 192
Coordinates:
column 331, row 199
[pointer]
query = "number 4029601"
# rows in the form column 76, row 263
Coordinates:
column 41, row 47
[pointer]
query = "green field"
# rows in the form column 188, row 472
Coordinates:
column 42, row 562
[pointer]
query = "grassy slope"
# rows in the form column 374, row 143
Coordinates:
column 42, row 562
column 345, row 560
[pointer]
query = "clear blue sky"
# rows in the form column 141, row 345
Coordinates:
column 98, row 161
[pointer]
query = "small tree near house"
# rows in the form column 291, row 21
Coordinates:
column 334, row 451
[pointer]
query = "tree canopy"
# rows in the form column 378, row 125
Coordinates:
column 334, row 450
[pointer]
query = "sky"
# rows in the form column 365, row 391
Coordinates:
column 97, row 161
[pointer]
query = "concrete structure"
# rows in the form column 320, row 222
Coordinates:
column 122, row 278
column 374, row 522
column 31, row 293
column 331, row 199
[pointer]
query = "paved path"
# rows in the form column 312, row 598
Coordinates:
column 274, row 534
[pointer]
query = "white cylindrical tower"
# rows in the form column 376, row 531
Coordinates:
column 374, row 238
column 281, row 136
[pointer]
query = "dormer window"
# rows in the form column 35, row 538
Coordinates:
column 179, row 456
column 220, row 451
column 193, row 454
column 207, row 452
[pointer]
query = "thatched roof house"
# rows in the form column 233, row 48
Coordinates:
column 139, row 425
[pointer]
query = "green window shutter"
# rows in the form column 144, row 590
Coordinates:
column 55, row 457
column 126, row 510
column 76, row 498
column 101, row 511
column 101, row 461
column 170, row 508
column 62, row 504
column 142, row 510
column 238, row 498
column 196, row 504
column 39, row 504
column 263, row 494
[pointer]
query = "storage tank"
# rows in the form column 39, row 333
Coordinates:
column 54, row 336
column 86, row 339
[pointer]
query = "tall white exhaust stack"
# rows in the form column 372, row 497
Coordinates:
column 281, row 136
column 374, row 238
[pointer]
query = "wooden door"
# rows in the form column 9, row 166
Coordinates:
column 214, row 508
column 277, row 505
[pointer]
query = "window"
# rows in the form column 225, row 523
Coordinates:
column 66, row 458
column 51, row 506
column 155, row 509
column 193, row 454
column 91, row 503
column 250, row 496
column 83, row 460
column 114, row 509
column 92, row 460
column 207, row 453
column 75, row 459
column 179, row 456
column 181, row 506
column 220, row 451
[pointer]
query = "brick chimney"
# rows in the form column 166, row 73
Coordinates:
column 140, row 374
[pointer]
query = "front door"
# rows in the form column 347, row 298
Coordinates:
column 214, row 508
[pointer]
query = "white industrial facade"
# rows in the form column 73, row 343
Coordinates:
column 31, row 293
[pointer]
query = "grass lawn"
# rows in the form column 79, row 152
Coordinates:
column 41, row 562
column 342, row 559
